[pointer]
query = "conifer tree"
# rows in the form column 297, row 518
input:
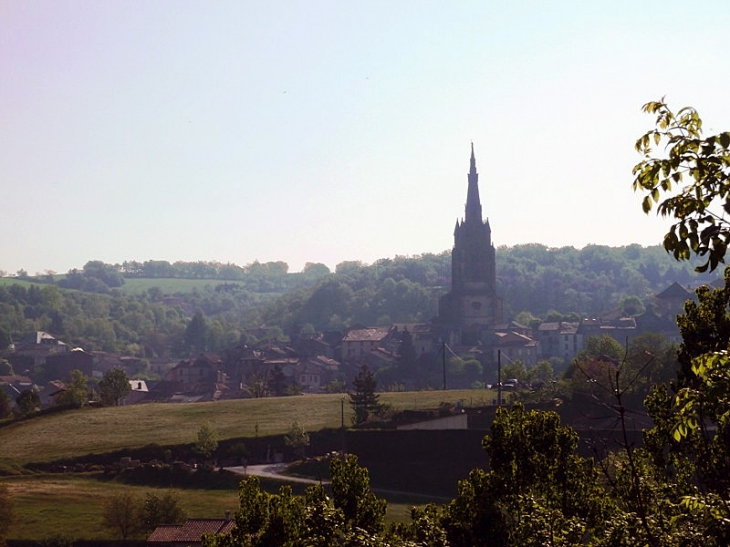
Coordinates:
column 363, row 398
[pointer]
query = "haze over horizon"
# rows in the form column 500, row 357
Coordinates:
column 329, row 131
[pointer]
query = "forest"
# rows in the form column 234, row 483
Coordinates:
column 134, row 309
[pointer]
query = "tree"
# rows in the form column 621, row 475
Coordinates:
column 156, row 510
column 538, row 491
column 207, row 442
column 196, row 333
column 689, row 182
column 77, row 390
column 297, row 438
column 514, row 370
column 277, row 383
column 363, row 399
column 28, row 401
column 120, row 513
column 351, row 494
column 114, row 386
column 5, row 408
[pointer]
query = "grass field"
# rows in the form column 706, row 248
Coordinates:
column 134, row 285
column 100, row 430
column 6, row 281
column 72, row 505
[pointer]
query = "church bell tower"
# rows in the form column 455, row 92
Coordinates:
column 471, row 309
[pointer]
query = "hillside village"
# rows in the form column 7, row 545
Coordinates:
column 403, row 356
column 313, row 363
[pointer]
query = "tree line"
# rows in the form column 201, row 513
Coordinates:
column 533, row 280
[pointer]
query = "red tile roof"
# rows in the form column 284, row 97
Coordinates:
column 190, row 531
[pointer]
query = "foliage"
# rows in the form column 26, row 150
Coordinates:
column 363, row 399
column 120, row 514
column 277, row 382
column 95, row 277
column 5, row 405
column 351, row 494
column 127, row 514
column 335, row 386
column 353, row 516
column 196, row 333
column 147, row 315
column 114, row 386
column 76, row 393
column 537, row 485
column 28, row 401
column 297, row 438
column 207, row 441
column 514, row 369
column 164, row 509
column 604, row 367
column 689, row 182
column 692, row 419
column 541, row 373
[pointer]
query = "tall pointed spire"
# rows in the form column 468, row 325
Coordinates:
column 473, row 204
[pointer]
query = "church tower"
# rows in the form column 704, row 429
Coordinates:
column 472, row 308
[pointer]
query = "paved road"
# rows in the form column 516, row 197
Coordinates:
column 274, row 471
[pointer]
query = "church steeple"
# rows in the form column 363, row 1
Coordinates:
column 473, row 204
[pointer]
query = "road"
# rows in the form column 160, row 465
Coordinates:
column 271, row 471
column 274, row 471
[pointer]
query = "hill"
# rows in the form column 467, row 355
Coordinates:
column 75, row 433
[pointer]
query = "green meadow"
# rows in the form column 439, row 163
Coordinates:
column 71, row 504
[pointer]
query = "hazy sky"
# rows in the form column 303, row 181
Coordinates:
column 324, row 131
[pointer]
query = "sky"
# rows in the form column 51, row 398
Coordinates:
column 330, row 130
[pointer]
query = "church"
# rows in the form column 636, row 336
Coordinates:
column 471, row 310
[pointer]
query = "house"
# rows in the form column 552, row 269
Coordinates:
column 423, row 335
column 189, row 533
column 514, row 326
column 619, row 328
column 559, row 339
column 33, row 350
column 50, row 393
column 516, row 347
column 14, row 385
column 361, row 340
column 60, row 365
column 670, row 302
column 138, row 392
column 203, row 368
column 315, row 372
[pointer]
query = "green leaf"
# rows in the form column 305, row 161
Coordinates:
column 724, row 139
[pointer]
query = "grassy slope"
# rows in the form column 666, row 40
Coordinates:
column 100, row 430
column 170, row 285
column 72, row 504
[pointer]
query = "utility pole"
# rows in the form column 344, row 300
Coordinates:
column 342, row 426
column 443, row 361
column 499, row 377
